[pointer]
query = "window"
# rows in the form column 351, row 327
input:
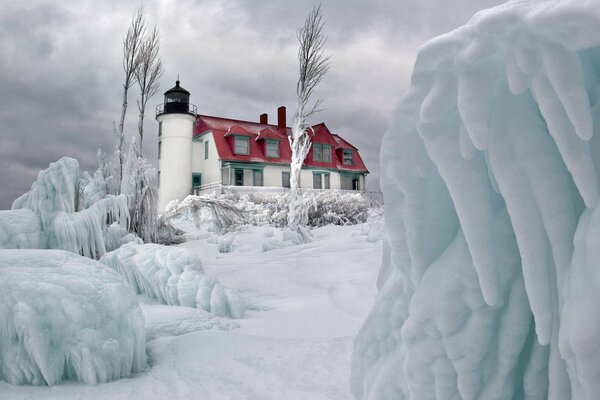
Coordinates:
column 241, row 145
column 326, row 153
column 285, row 179
column 258, row 178
column 272, row 149
column 326, row 181
column 317, row 181
column 238, row 177
column 317, row 152
column 196, row 180
column 348, row 156
column 160, row 129
column 159, row 150
column 206, row 150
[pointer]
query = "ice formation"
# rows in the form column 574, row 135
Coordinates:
column 489, row 283
column 47, row 216
column 63, row 316
column 174, row 276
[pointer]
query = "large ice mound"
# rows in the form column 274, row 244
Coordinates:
column 63, row 316
column 174, row 276
column 55, row 215
column 490, row 286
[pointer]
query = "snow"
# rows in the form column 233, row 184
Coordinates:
column 488, row 287
column 174, row 277
column 305, row 304
column 63, row 316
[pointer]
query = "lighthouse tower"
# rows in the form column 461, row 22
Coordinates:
column 175, row 128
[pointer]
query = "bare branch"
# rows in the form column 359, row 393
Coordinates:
column 131, row 48
column 313, row 64
column 147, row 74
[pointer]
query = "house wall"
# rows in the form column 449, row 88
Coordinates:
column 272, row 175
column 209, row 168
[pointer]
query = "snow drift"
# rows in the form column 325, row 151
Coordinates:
column 174, row 277
column 63, row 316
column 47, row 216
column 489, row 286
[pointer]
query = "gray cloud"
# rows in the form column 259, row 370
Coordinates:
column 61, row 76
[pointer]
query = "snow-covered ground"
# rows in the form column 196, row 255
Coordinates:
column 305, row 304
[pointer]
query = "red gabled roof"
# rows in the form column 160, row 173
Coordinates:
column 269, row 133
column 224, row 131
column 238, row 130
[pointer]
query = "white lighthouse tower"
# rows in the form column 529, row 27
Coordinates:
column 175, row 129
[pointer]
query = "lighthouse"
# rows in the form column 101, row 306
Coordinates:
column 175, row 118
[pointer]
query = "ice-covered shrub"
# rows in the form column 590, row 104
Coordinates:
column 63, row 316
column 21, row 229
column 232, row 209
column 332, row 207
column 53, row 200
column 173, row 276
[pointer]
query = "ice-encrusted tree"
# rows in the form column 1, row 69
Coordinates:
column 147, row 74
column 313, row 64
column 140, row 188
column 132, row 45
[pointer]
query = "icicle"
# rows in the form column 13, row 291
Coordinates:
column 475, row 88
column 575, row 153
column 469, row 187
column 563, row 69
column 518, row 81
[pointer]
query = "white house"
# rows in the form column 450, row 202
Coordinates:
column 200, row 152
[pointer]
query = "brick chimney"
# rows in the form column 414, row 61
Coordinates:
column 264, row 119
column 281, row 120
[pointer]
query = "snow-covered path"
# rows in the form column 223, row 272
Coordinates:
column 305, row 303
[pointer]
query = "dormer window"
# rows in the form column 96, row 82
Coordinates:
column 326, row 153
column 272, row 148
column 317, row 152
column 241, row 145
column 348, row 156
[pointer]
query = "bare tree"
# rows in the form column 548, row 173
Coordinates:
column 132, row 44
column 313, row 66
column 147, row 74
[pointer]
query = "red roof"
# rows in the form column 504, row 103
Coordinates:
column 225, row 130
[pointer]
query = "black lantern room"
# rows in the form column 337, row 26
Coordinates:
column 177, row 101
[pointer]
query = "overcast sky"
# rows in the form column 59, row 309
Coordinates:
column 61, row 75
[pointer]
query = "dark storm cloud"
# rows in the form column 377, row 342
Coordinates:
column 61, row 77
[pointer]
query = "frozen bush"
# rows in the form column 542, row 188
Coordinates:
column 63, row 316
column 48, row 215
column 231, row 209
column 173, row 276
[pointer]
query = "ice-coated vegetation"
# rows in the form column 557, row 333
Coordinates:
column 489, row 283
column 173, row 276
column 63, row 317
column 60, row 213
column 229, row 210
